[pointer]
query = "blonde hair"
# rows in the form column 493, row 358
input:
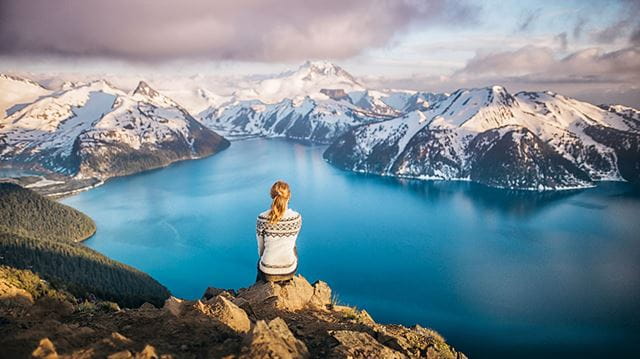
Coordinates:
column 280, row 194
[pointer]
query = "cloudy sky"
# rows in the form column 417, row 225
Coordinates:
column 583, row 48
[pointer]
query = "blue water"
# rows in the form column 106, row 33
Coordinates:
column 499, row 274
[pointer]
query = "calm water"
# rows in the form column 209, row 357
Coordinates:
column 497, row 273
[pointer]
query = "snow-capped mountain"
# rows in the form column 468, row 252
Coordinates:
column 630, row 115
column 317, row 103
column 531, row 140
column 16, row 92
column 98, row 131
column 318, row 121
column 196, row 99
column 396, row 102
column 308, row 80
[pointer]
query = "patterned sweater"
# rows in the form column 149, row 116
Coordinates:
column 277, row 242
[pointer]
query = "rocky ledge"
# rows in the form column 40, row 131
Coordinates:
column 294, row 319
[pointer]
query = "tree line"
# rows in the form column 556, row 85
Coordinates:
column 39, row 234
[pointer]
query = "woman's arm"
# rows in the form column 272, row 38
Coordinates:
column 260, row 239
column 260, row 245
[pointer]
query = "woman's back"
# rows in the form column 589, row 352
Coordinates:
column 277, row 231
column 277, row 242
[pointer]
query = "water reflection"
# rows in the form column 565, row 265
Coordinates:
column 507, row 202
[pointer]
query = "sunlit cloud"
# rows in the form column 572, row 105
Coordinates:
column 587, row 49
column 256, row 30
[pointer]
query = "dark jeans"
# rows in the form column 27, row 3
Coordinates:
column 264, row 277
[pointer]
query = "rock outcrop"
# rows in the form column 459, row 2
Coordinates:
column 362, row 345
column 224, row 311
column 293, row 319
column 273, row 340
column 294, row 295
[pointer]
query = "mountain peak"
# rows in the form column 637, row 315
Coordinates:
column 307, row 80
column 499, row 94
column 321, row 68
column 498, row 88
column 101, row 83
column 145, row 90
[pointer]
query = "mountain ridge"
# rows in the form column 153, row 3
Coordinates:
column 320, row 102
column 315, row 103
column 98, row 131
column 16, row 92
column 307, row 80
column 437, row 143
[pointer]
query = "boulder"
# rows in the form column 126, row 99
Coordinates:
column 242, row 303
column 273, row 340
column 231, row 315
column 365, row 317
column 213, row 292
column 173, row 305
column 148, row 352
column 321, row 295
column 223, row 311
column 361, row 345
column 11, row 296
column 291, row 295
column 45, row 350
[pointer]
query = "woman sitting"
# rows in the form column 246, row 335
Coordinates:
column 276, row 231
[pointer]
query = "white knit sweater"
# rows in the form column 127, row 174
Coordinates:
column 276, row 242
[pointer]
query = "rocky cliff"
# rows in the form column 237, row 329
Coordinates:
column 291, row 320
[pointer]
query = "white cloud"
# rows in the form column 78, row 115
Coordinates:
column 590, row 74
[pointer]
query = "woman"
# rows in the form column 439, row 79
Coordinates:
column 277, row 230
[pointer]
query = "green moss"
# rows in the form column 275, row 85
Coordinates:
column 87, row 307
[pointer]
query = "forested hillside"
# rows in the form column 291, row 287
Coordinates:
column 27, row 214
column 39, row 234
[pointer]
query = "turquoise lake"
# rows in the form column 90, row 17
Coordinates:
column 498, row 273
